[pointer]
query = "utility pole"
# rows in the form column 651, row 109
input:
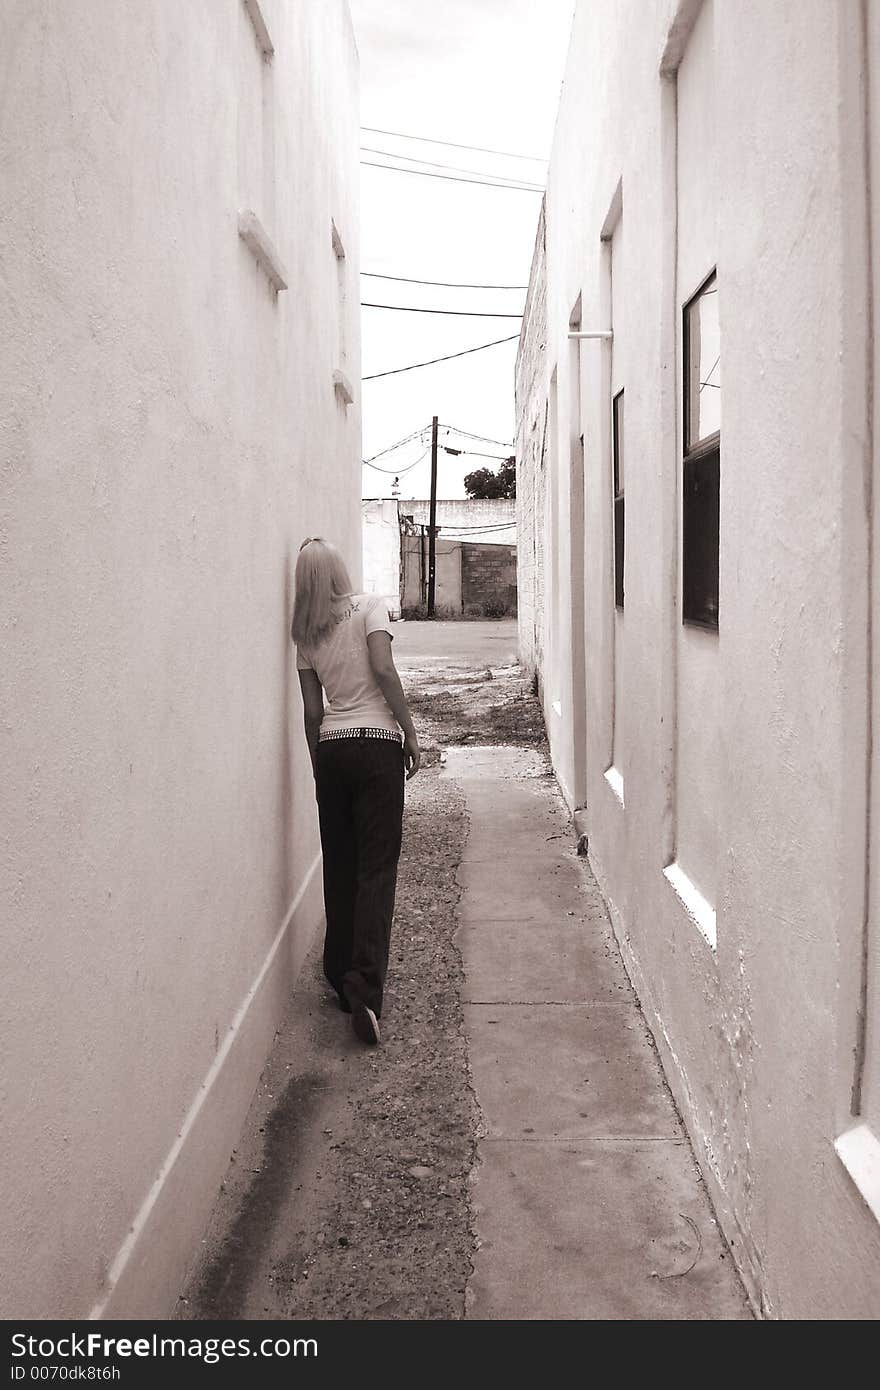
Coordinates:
column 432, row 521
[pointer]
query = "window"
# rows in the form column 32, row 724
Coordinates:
column 702, row 457
column 617, row 451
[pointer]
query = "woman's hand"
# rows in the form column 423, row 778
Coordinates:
column 412, row 755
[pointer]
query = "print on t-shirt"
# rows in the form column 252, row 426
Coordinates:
column 353, row 607
column 342, row 664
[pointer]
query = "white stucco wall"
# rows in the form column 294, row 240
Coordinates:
column 698, row 758
column 381, row 550
column 491, row 520
column 531, row 441
column 170, row 431
column 752, row 753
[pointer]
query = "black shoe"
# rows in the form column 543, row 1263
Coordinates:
column 365, row 1024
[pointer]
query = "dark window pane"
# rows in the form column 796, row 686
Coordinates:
column 618, row 551
column 617, row 442
column 702, row 365
column 700, row 497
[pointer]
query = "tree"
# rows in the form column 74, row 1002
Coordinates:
column 484, row 483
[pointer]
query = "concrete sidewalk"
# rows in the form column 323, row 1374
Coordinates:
column 587, row 1200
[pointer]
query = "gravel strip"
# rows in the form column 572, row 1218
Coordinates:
column 398, row 1237
column 347, row 1195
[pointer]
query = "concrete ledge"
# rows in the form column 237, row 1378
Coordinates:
column 859, row 1151
column 698, row 908
column 152, row 1263
column 259, row 243
column 683, row 20
column 343, row 387
column 615, row 781
column 255, row 14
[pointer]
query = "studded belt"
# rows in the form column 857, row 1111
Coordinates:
column 326, row 735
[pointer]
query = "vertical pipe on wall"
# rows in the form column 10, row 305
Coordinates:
column 866, row 69
column 576, row 454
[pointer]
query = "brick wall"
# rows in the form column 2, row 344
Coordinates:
column 488, row 575
column 466, row 575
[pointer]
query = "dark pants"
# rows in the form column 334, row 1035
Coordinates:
column 360, row 809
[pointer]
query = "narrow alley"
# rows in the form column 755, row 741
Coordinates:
column 511, row 1150
column 461, row 436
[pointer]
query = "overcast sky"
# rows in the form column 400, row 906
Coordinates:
column 477, row 72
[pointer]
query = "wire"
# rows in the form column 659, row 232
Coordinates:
column 501, row 526
column 481, row 347
column 396, row 472
column 456, row 178
column 709, row 381
column 431, row 164
column 502, row 443
column 475, row 454
column 420, row 435
column 461, row 313
column 426, row 140
column 416, row 434
column 445, row 284
column 452, row 531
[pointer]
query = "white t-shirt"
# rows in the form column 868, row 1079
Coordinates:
column 342, row 665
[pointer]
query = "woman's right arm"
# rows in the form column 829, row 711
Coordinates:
column 313, row 709
column 388, row 681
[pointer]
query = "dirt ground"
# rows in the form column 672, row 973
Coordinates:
column 348, row 1194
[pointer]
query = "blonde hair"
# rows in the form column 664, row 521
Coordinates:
column 321, row 580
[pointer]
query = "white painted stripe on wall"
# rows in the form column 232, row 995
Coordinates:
column 615, row 782
column 699, row 909
column 859, row 1152
column 128, row 1245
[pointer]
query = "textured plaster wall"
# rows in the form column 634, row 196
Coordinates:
column 758, row 1035
column 447, row 575
column 489, row 519
column 531, row 428
column 698, row 656
column 168, row 433
column 381, row 547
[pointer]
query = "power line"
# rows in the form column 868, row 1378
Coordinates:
column 461, row 313
column 452, row 531
column 446, row 358
column 444, row 284
column 475, row 453
column 502, row 443
column 479, row 149
column 396, row 472
column 420, row 435
column 456, row 178
column 416, row 434
column 433, row 164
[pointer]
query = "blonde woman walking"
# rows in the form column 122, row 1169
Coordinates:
column 361, row 743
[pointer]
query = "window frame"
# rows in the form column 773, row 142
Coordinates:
column 701, row 457
column 618, row 437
